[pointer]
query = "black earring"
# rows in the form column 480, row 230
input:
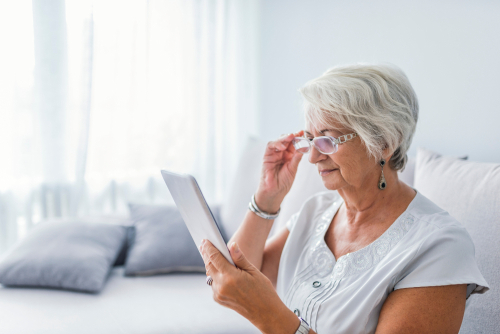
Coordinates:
column 381, row 182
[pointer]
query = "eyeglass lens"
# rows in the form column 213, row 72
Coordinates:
column 302, row 145
column 323, row 144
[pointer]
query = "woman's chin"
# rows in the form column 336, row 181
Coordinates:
column 332, row 180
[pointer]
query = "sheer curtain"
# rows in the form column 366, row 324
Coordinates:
column 106, row 93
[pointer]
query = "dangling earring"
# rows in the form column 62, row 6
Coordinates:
column 381, row 182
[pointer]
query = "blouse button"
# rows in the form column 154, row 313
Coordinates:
column 297, row 312
column 316, row 284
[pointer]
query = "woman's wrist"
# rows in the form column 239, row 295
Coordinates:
column 280, row 320
column 268, row 203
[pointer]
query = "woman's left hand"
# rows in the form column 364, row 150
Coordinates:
column 246, row 290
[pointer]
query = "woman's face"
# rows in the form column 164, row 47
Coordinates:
column 349, row 167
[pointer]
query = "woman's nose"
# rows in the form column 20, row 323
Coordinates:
column 315, row 155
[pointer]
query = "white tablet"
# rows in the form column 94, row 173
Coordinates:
column 195, row 211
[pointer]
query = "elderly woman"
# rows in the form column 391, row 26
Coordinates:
column 373, row 256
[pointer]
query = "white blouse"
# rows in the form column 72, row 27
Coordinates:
column 425, row 246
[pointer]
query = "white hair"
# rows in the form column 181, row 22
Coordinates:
column 375, row 101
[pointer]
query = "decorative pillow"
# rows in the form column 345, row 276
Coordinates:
column 408, row 174
column 470, row 192
column 243, row 185
column 307, row 183
column 122, row 255
column 71, row 255
column 161, row 243
column 114, row 219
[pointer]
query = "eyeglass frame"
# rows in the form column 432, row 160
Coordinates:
column 336, row 141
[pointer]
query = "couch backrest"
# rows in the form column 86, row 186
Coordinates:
column 470, row 192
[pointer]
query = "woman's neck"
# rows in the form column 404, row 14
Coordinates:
column 371, row 204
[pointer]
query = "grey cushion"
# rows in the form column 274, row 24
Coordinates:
column 162, row 243
column 122, row 255
column 72, row 255
column 470, row 192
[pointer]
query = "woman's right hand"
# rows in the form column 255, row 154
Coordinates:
column 279, row 168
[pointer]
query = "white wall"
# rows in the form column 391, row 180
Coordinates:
column 450, row 50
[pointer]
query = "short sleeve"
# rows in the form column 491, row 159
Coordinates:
column 292, row 221
column 446, row 257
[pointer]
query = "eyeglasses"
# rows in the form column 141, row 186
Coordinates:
column 324, row 144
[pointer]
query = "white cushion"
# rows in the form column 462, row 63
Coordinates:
column 243, row 186
column 470, row 192
column 174, row 303
column 307, row 183
column 408, row 174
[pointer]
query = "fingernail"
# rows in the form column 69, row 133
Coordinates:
column 235, row 248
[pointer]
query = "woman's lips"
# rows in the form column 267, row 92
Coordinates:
column 324, row 172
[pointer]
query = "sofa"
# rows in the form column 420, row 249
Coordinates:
column 182, row 302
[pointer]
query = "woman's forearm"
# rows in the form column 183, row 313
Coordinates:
column 279, row 167
column 278, row 320
column 251, row 237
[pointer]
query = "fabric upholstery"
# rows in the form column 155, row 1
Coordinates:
column 307, row 183
column 470, row 192
column 244, row 183
column 161, row 242
column 72, row 255
column 164, row 304
column 408, row 174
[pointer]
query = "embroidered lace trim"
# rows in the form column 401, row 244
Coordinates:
column 323, row 260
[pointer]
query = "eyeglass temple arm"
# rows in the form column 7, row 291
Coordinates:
column 344, row 138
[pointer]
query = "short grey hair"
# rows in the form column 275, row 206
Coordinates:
column 375, row 101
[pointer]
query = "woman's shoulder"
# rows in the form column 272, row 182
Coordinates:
column 440, row 235
column 430, row 216
column 443, row 251
column 435, row 226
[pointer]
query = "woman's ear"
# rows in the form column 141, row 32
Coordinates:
column 386, row 154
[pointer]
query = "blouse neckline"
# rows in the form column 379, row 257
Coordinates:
column 363, row 258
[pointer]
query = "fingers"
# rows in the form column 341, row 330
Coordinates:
column 215, row 262
column 211, row 270
column 239, row 258
column 295, row 161
column 283, row 143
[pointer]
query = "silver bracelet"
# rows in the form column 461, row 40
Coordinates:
column 255, row 209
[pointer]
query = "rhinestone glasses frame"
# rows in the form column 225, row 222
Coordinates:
column 335, row 141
